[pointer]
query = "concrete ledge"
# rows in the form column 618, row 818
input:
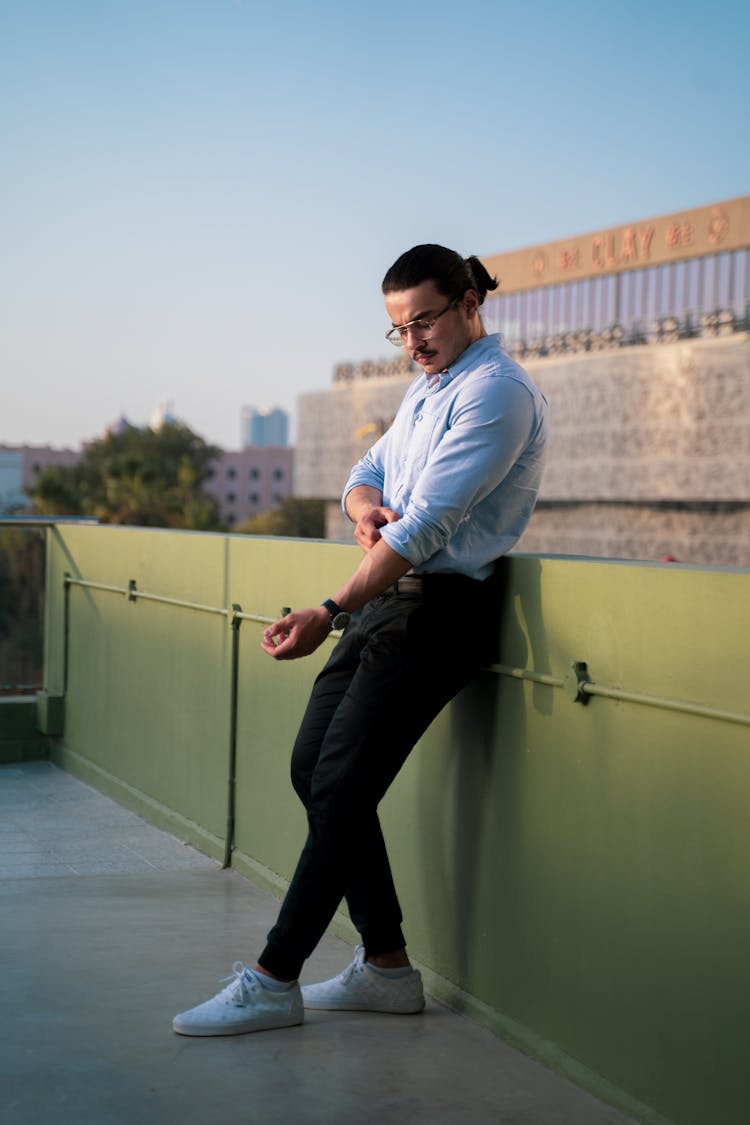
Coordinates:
column 20, row 739
column 50, row 712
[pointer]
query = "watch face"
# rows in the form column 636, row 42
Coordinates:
column 341, row 620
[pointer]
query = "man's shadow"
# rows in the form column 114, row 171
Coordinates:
column 471, row 792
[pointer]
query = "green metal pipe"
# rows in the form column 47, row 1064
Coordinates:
column 70, row 581
column 524, row 674
column 233, row 701
column 586, row 687
column 134, row 594
column 66, row 631
column 683, row 706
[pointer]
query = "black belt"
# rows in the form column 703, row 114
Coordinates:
column 438, row 582
column 409, row 584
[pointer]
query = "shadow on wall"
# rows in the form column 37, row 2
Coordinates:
column 471, row 793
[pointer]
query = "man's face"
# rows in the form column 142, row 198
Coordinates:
column 436, row 348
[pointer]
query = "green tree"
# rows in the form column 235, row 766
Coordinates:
column 294, row 517
column 150, row 478
column 22, row 552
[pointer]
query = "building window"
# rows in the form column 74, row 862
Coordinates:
column 253, row 498
column 231, row 472
column 230, row 498
column 254, row 473
column 278, row 474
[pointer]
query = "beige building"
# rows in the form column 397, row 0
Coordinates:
column 640, row 338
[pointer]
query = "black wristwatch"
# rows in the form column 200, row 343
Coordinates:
column 339, row 617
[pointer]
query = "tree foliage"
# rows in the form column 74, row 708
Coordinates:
column 21, row 607
column 145, row 477
column 295, row 517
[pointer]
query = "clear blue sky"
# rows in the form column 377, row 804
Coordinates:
column 199, row 198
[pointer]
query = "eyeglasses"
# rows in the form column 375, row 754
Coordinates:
column 423, row 328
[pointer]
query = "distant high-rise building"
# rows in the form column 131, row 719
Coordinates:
column 265, row 426
column 11, row 479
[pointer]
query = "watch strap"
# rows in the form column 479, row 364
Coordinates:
column 333, row 607
column 339, row 617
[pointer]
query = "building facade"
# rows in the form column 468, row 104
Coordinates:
column 640, row 338
column 20, row 465
column 249, row 481
column 678, row 276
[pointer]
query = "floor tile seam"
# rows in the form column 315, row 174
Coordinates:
column 69, row 865
column 34, row 847
column 134, row 852
column 113, row 864
column 153, row 852
column 46, row 872
column 87, row 877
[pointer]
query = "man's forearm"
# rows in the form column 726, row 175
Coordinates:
column 361, row 499
column 379, row 569
column 300, row 633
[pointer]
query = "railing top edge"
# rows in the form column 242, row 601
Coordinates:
column 651, row 564
column 45, row 521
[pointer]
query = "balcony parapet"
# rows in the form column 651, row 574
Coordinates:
column 569, row 838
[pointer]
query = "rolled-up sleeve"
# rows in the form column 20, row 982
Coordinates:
column 461, row 464
column 369, row 470
column 489, row 430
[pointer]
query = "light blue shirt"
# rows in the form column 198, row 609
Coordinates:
column 461, row 463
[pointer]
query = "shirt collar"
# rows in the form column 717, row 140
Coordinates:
column 467, row 359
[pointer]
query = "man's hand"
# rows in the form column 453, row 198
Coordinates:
column 367, row 528
column 297, row 634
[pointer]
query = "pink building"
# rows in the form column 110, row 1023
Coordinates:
column 249, row 481
column 38, row 457
column 20, row 465
column 246, row 482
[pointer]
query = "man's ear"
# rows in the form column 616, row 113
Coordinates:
column 471, row 302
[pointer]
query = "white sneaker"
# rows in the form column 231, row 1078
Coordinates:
column 244, row 1005
column 360, row 988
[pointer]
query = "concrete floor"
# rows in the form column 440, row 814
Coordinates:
column 109, row 926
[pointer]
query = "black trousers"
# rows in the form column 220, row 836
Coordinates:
column 399, row 661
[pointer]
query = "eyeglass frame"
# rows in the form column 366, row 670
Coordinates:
column 426, row 323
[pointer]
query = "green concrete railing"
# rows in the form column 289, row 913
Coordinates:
column 569, row 839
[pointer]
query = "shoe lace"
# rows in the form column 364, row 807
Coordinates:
column 350, row 970
column 239, row 985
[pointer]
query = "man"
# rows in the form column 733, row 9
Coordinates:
column 446, row 491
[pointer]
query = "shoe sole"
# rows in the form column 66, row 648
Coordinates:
column 329, row 1006
column 222, row 1029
